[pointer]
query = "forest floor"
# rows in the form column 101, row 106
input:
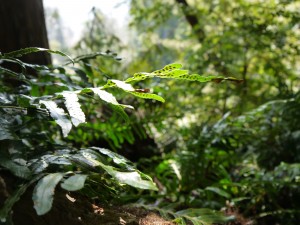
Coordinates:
column 71, row 209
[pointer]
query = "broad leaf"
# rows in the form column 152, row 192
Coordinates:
column 74, row 183
column 43, row 192
column 133, row 179
column 118, row 159
column 59, row 116
column 130, row 178
column 14, row 168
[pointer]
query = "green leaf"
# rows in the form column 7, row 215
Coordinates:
column 95, row 55
column 139, row 76
column 73, row 107
column 168, row 68
column 120, row 110
column 197, row 77
column 59, row 116
column 130, row 178
column 14, row 168
column 43, row 192
column 5, row 133
column 173, row 74
column 133, row 179
column 105, row 96
column 26, row 51
column 118, row 159
column 123, row 85
column 218, row 191
column 74, row 183
column 147, row 96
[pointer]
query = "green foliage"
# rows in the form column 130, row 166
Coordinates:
column 43, row 192
column 225, row 142
column 30, row 114
column 194, row 216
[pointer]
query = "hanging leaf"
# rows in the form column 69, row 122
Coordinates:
column 105, row 96
column 120, row 110
column 73, row 107
column 26, row 51
column 59, row 116
column 197, row 77
column 218, row 191
column 95, row 55
column 74, row 183
column 147, row 96
column 43, row 192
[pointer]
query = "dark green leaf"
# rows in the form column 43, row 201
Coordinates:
column 43, row 192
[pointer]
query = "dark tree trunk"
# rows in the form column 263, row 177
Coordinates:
column 23, row 25
column 192, row 19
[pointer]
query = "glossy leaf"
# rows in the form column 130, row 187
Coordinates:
column 118, row 159
column 43, row 192
column 74, row 183
column 14, row 168
column 133, row 179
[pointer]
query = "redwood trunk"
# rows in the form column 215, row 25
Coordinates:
column 23, row 25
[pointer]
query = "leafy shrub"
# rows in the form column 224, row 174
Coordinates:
column 34, row 150
column 251, row 160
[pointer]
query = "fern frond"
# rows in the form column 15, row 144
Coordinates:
column 73, row 107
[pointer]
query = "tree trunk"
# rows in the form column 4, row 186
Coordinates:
column 23, row 25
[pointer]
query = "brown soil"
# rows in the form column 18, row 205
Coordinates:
column 70, row 209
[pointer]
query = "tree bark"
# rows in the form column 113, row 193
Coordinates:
column 23, row 25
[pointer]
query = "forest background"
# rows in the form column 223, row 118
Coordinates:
column 231, row 143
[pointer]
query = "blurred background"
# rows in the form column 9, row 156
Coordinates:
column 221, row 145
column 210, row 145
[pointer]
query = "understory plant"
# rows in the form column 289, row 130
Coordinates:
column 250, row 161
column 42, row 107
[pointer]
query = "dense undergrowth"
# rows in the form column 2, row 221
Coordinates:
column 36, row 100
